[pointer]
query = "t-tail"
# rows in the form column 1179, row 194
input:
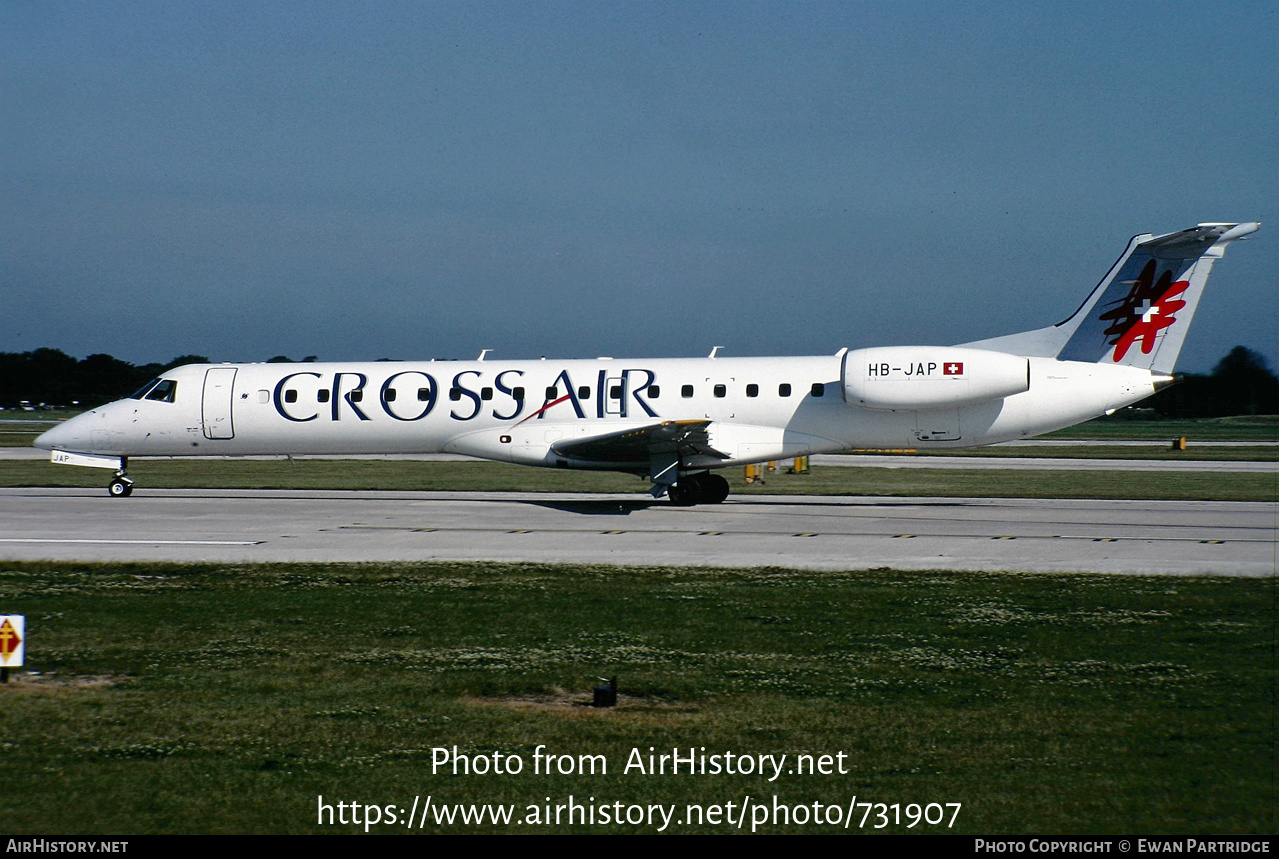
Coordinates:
column 1139, row 314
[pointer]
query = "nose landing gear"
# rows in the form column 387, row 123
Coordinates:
column 120, row 486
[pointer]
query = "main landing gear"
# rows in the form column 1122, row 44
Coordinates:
column 700, row 488
column 120, row 486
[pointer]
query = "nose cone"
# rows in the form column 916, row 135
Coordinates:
column 67, row 435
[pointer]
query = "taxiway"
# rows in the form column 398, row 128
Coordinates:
column 828, row 532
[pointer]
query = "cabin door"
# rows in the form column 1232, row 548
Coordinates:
column 216, row 410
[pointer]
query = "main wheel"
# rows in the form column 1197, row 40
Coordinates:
column 714, row 488
column 700, row 488
column 120, row 488
column 684, row 493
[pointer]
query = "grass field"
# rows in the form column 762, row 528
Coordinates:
column 494, row 476
column 1119, row 426
column 227, row 699
column 1236, row 452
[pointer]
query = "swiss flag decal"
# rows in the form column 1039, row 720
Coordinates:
column 953, row 368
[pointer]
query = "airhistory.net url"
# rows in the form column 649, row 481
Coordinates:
column 749, row 814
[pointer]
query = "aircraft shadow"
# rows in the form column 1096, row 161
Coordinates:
column 602, row 507
column 626, row 506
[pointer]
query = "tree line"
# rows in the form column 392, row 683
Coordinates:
column 1242, row 383
column 53, row 379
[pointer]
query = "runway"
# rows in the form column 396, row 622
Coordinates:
column 828, row 532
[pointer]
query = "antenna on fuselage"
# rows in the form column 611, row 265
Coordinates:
column 483, row 352
column 714, row 350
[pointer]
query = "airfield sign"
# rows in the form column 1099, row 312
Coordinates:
column 12, row 640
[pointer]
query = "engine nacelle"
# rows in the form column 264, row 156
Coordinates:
column 918, row 378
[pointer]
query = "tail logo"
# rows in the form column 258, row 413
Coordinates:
column 1148, row 308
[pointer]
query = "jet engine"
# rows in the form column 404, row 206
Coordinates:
column 918, row 378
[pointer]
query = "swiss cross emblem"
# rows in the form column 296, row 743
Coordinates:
column 953, row 368
column 10, row 640
column 1148, row 308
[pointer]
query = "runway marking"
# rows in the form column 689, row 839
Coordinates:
column 905, row 515
column 1149, row 538
column 135, row 542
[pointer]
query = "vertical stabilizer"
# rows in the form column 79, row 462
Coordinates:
column 1139, row 316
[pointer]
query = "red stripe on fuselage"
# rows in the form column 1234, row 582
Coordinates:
column 544, row 408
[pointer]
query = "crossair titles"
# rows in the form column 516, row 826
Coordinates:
column 343, row 395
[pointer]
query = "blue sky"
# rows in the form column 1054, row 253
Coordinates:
column 409, row 180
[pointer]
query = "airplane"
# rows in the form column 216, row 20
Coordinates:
column 676, row 421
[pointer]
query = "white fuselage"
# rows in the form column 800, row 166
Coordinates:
column 675, row 419
column 758, row 408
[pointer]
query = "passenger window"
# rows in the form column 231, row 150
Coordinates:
column 290, row 396
column 423, row 394
column 455, row 394
column 686, row 391
column 518, row 394
column 390, row 395
column 615, row 392
column 357, row 396
column 164, row 392
column 552, row 393
column 752, row 390
column 486, row 393
column 783, row 390
column 721, row 390
column 654, row 392
column 818, row 389
column 322, row 396
column 584, row 393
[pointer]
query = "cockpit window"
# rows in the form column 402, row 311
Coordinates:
column 165, row 391
column 142, row 392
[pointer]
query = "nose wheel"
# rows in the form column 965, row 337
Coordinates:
column 120, row 486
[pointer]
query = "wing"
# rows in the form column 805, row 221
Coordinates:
column 637, row 447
